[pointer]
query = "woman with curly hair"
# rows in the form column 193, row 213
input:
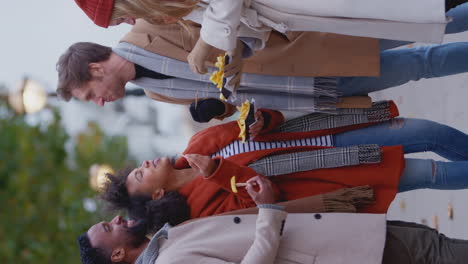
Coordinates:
column 302, row 157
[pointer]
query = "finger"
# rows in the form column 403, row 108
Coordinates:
column 236, row 85
column 193, row 165
column 193, row 68
column 197, row 69
column 255, row 130
column 231, row 69
column 189, row 159
column 188, row 156
column 251, row 191
column 261, row 184
column 253, row 135
column 253, row 179
column 192, row 160
column 202, row 69
column 256, row 126
column 235, row 80
column 258, row 115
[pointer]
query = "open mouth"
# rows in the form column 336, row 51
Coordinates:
column 129, row 223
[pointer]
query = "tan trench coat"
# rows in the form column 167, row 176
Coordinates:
column 309, row 54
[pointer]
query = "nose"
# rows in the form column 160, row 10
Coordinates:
column 129, row 20
column 99, row 101
column 145, row 164
column 116, row 220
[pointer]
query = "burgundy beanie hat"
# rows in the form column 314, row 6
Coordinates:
column 99, row 11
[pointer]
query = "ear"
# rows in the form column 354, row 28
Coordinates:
column 169, row 19
column 157, row 194
column 118, row 254
column 96, row 69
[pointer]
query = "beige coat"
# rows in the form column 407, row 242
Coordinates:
column 329, row 238
column 308, row 54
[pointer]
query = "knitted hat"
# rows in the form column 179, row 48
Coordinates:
column 204, row 110
column 99, row 11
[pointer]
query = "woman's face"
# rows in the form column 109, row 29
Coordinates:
column 149, row 177
column 117, row 21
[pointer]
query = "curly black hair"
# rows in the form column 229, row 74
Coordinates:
column 90, row 254
column 115, row 190
column 172, row 208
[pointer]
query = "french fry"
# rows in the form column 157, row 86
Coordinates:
column 243, row 184
column 233, row 184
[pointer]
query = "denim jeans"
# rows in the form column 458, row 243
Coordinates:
column 400, row 66
column 417, row 135
column 458, row 24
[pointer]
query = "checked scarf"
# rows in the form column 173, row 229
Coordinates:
column 318, row 159
column 380, row 111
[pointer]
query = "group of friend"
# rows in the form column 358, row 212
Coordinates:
column 336, row 169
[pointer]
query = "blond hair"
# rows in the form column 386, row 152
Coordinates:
column 153, row 11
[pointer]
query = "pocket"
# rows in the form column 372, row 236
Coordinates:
column 291, row 256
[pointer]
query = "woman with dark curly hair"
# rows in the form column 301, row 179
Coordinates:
column 172, row 208
column 327, row 144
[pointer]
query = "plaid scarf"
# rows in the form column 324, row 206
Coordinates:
column 380, row 111
column 318, row 159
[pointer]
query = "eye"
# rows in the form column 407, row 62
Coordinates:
column 139, row 175
column 106, row 227
column 89, row 96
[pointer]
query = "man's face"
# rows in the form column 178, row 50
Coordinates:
column 125, row 19
column 102, row 88
column 117, row 233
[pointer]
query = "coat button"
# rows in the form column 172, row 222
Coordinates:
column 237, row 220
column 318, row 216
column 227, row 31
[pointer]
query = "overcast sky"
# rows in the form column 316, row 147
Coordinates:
column 35, row 33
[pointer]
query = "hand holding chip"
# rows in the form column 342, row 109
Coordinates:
column 198, row 56
column 205, row 165
column 233, row 69
column 257, row 126
column 265, row 194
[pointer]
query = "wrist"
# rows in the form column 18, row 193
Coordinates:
column 271, row 206
column 203, row 47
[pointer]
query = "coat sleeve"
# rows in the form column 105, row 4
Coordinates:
column 266, row 243
column 226, row 170
column 220, row 23
column 267, row 237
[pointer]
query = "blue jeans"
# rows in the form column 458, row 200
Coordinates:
column 417, row 135
column 458, row 24
column 400, row 66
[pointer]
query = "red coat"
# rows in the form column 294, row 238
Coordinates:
column 213, row 195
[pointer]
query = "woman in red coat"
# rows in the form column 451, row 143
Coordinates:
column 202, row 176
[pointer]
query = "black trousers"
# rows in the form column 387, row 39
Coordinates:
column 411, row 243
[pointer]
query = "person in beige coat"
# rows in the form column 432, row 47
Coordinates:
column 272, row 236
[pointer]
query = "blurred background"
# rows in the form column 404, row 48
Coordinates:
column 53, row 154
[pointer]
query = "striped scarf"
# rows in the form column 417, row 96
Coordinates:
column 318, row 159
